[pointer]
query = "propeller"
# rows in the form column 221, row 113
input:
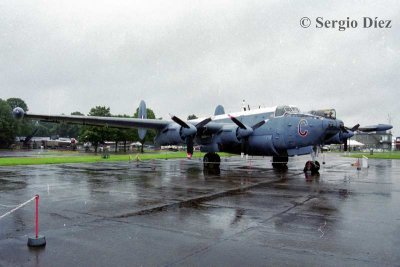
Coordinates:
column 245, row 131
column 237, row 122
column 348, row 133
column 203, row 123
column 345, row 145
column 180, row 122
column 29, row 137
column 189, row 132
column 347, row 129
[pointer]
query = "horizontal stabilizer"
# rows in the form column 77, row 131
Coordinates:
column 142, row 114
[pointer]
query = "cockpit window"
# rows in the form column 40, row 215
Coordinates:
column 326, row 113
column 282, row 110
column 295, row 109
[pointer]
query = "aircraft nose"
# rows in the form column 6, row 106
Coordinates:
column 332, row 126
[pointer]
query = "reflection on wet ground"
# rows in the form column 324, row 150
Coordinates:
column 172, row 212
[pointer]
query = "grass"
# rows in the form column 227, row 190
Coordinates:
column 376, row 155
column 74, row 157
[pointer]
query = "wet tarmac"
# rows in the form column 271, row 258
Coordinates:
column 172, row 213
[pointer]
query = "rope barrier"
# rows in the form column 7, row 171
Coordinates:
column 17, row 208
column 37, row 240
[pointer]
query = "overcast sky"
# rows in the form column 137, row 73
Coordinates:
column 186, row 57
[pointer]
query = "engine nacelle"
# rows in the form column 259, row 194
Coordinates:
column 227, row 135
column 169, row 136
column 339, row 138
column 262, row 145
column 18, row 113
column 174, row 134
column 336, row 139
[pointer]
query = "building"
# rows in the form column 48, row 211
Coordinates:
column 375, row 140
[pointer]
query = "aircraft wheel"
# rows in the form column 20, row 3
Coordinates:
column 217, row 159
column 312, row 166
column 317, row 165
column 206, row 161
column 211, row 161
column 279, row 162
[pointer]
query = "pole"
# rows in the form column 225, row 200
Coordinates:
column 38, row 240
column 37, row 216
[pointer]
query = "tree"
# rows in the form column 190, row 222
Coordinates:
column 8, row 127
column 17, row 102
column 74, row 129
column 94, row 134
column 65, row 129
column 151, row 134
column 192, row 117
column 123, row 135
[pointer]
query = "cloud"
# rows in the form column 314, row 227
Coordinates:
column 186, row 57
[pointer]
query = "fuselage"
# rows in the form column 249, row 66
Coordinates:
column 286, row 132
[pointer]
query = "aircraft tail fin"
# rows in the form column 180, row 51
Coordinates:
column 219, row 110
column 142, row 114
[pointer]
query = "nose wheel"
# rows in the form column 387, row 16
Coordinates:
column 312, row 166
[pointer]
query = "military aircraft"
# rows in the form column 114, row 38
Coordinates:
column 280, row 132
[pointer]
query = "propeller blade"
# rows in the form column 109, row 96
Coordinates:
column 203, row 123
column 355, row 127
column 345, row 145
column 189, row 146
column 29, row 137
column 245, row 145
column 180, row 122
column 347, row 129
column 258, row 125
column 237, row 122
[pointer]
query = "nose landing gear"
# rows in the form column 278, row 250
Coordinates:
column 312, row 166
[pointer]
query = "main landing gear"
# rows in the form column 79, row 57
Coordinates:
column 211, row 160
column 312, row 166
column 280, row 163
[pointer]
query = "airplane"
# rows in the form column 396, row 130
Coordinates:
column 281, row 131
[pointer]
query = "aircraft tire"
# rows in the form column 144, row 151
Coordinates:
column 317, row 166
column 211, row 161
column 206, row 160
column 312, row 166
column 280, row 163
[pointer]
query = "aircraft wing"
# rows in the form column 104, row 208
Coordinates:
column 102, row 121
column 375, row 128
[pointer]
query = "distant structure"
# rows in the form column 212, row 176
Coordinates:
column 397, row 143
column 53, row 142
column 375, row 140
